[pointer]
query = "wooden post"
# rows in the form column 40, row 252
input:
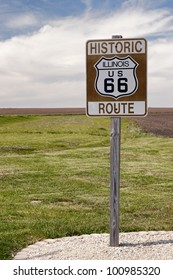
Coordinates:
column 114, row 180
column 115, row 176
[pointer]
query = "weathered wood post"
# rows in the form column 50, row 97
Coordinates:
column 115, row 136
column 114, row 180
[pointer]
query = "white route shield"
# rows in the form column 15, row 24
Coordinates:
column 116, row 77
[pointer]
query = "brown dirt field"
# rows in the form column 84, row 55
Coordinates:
column 159, row 121
column 41, row 111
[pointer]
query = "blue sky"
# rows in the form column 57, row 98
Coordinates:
column 40, row 12
column 42, row 47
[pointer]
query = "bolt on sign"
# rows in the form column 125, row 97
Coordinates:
column 117, row 77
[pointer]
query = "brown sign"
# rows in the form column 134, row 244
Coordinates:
column 117, row 77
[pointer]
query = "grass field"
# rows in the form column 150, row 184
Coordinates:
column 54, row 179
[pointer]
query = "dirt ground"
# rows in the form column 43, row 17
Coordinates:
column 157, row 123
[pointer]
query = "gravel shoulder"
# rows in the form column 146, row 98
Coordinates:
column 151, row 245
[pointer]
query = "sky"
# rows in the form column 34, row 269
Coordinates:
column 42, row 48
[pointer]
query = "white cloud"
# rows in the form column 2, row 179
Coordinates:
column 21, row 21
column 160, row 73
column 88, row 4
column 47, row 68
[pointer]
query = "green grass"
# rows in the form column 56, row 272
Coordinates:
column 54, row 179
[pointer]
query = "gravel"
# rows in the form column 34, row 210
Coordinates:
column 151, row 245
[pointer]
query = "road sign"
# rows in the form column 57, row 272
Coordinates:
column 117, row 77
